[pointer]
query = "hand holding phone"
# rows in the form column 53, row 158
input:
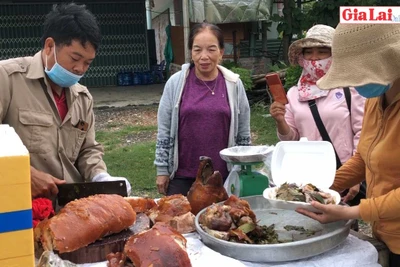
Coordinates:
column 276, row 89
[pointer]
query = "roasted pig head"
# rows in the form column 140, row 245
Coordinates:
column 208, row 187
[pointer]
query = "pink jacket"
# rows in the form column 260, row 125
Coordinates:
column 343, row 130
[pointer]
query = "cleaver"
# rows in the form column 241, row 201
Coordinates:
column 72, row 191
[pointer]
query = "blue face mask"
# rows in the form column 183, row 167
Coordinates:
column 61, row 76
column 372, row 90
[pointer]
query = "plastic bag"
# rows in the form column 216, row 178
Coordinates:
column 50, row 259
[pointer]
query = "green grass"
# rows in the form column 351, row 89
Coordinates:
column 262, row 126
column 135, row 161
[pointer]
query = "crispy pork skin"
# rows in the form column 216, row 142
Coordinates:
column 141, row 204
column 239, row 208
column 175, row 211
column 160, row 246
column 83, row 221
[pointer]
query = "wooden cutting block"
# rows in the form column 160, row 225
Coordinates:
column 97, row 251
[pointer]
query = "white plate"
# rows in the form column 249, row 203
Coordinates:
column 270, row 195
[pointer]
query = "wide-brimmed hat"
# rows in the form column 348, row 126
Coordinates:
column 317, row 36
column 362, row 54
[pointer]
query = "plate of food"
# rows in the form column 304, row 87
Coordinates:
column 291, row 196
column 250, row 229
column 302, row 171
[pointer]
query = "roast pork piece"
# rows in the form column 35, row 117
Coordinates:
column 208, row 187
column 175, row 211
column 83, row 221
column 141, row 204
column 160, row 246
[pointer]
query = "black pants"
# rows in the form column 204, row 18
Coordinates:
column 361, row 194
column 394, row 260
column 180, row 185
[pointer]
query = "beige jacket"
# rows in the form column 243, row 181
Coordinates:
column 56, row 147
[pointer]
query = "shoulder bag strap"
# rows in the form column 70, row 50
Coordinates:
column 321, row 128
column 347, row 94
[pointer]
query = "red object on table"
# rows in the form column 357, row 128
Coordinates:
column 42, row 208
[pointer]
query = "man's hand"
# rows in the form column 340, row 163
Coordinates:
column 43, row 184
column 353, row 191
column 162, row 184
column 105, row 177
column 331, row 213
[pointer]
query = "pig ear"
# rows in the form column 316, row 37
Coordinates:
column 207, row 171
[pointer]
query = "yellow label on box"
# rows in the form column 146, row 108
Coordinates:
column 16, row 244
column 24, row 261
column 15, row 170
column 15, row 197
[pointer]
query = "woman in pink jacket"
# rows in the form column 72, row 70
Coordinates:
column 341, row 115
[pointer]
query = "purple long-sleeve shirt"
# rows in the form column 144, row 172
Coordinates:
column 204, row 121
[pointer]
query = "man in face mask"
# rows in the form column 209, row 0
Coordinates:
column 40, row 97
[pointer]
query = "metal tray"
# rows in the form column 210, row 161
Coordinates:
column 327, row 236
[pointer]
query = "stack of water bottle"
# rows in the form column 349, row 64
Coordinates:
column 127, row 77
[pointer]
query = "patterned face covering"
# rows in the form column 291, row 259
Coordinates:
column 313, row 70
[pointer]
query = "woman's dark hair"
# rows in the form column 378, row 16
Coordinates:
column 200, row 27
column 68, row 22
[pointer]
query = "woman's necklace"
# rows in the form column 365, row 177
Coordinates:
column 211, row 90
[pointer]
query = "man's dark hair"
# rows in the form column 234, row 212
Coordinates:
column 68, row 22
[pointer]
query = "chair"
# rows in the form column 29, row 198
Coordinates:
column 157, row 71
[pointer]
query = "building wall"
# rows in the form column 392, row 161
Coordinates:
column 123, row 26
column 241, row 30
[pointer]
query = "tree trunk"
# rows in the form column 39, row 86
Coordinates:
column 287, row 34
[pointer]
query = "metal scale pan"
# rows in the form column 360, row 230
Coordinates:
column 326, row 237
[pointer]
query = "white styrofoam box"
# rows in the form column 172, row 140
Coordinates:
column 10, row 143
column 304, row 162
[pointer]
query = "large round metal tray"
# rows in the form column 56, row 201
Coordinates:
column 327, row 236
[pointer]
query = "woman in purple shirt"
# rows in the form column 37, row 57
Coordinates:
column 203, row 110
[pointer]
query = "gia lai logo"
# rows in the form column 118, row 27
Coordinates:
column 369, row 14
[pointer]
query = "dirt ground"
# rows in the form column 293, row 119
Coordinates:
column 107, row 118
column 129, row 115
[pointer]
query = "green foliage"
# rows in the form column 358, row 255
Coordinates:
column 245, row 76
column 292, row 76
column 298, row 24
column 229, row 64
column 280, row 65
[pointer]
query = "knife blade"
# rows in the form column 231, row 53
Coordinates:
column 71, row 191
